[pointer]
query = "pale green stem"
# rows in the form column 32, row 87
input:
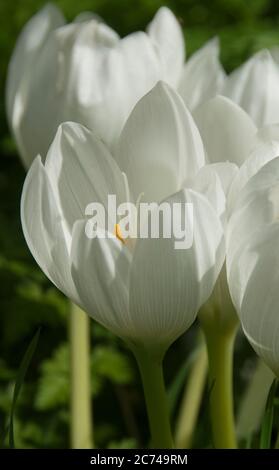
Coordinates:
column 277, row 442
column 150, row 367
column 81, row 406
column 190, row 405
column 220, row 359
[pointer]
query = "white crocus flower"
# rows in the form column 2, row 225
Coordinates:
column 235, row 151
column 146, row 292
column 252, row 251
column 228, row 135
column 84, row 72
column 250, row 212
column 254, row 86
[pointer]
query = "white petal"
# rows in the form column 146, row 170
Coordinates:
column 166, row 33
column 45, row 230
column 90, row 77
column 226, row 172
column 254, row 288
column 227, row 131
column 257, row 205
column 274, row 51
column 67, row 69
column 214, row 182
column 100, row 270
column 260, row 156
column 169, row 285
column 267, row 133
column 87, row 16
column 82, row 171
column 21, row 68
column 160, row 145
column 203, row 75
column 124, row 75
column 254, row 86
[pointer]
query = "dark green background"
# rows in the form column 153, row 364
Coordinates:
column 27, row 299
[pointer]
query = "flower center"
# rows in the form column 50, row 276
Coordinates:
column 118, row 233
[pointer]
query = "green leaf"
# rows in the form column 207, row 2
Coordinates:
column 54, row 383
column 112, row 364
column 19, row 381
column 266, row 431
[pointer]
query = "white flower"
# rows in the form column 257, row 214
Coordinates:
column 148, row 292
column 254, row 86
column 252, row 251
column 237, row 154
column 250, row 213
column 84, row 72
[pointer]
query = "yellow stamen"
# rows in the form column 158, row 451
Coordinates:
column 118, row 234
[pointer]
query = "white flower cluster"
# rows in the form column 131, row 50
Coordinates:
column 86, row 108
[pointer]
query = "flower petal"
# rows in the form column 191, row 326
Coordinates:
column 253, row 284
column 100, row 270
column 169, row 285
column 214, row 181
column 256, row 206
column 88, row 76
column 123, row 76
column 166, row 33
column 260, row 156
column 254, row 86
column 21, row 68
column 268, row 133
column 203, row 75
column 87, row 16
column 160, row 145
column 226, row 130
column 82, row 171
column 44, row 229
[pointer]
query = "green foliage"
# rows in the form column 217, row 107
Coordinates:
column 23, row 368
column 107, row 365
column 268, row 419
column 112, row 364
column 53, row 384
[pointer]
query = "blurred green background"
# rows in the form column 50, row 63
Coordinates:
column 28, row 300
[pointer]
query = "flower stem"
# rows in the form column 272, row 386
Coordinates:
column 150, row 367
column 81, row 411
column 220, row 359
